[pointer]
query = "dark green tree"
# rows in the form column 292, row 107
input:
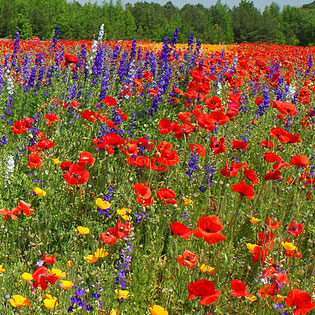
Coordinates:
column 22, row 25
column 246, row 21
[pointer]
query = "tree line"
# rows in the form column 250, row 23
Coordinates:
column 152, row 21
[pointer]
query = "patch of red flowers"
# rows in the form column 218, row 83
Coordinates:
column 204, row 288
column 209, row 228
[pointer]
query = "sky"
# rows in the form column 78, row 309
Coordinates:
column 259, row 4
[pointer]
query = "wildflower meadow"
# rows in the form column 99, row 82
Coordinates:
column 156, row 178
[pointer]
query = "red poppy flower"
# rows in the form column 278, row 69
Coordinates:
column 218, row 117
column 76, row 175
column 299, row 160
column 269, row 290
column 187, row 259
column 51, row 118
column 109, row 101
column 272, row 175
column 204, row 288
column 271, row 225
column 165, row 126
column 41, row 277
column 284, row 107
column 34, row 160
column 258, row 100
column 23, row 207
column 250, row 174
column 295, row 228
column 238, row 288
column 121, row 231
column 231, row 171
column 19, row 127
column 217, row 146
column 45, row 144
column 197, row 148
column 266, row 239
column 279, row 165
column 239, row 145
column 167, row 158
column 272, row 157
column 284, row 136
column 208, row 228
column 86, row 158
column 88, row 115
column 108, row 238
column 260, row 254
column 144, row 194
column 140, row 161
column 49, row 259
column 71, row 59
column 244, row 190
column 213, row 102
column 65, row 165
column 266, row 144
column 167, row 195
column 184, row 117
column 28, row 121
column 108, row 142
column 181, row 230
column 8, row 213
column 147, row 143
column 300, row 299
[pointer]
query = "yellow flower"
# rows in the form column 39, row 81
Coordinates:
column 102, row 204
column 57, row 272
column 187, row 201
column 19, row 300
column 66, row 284
column 251, row 247
column 122, row 294
column 158, row 310
column 91, row 259
column 288, row 246
column 83, row 230
column 69, row 264
column 123, row 212
column 100, row 253
column 278, row 298
column 27, row 276
column 205, row 268
column 254, row 220
column 113, row 312
column 2, row 269
column 50, row 302
column 39, row 192
column 56, row 161
column 251, row 298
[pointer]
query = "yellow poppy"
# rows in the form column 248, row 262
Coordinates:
column 19, row 300
column 57, row 272
column 50, row 302
column 158, row 310
column 100, row 253
column 83, row 230
column 27, row 276
column 66, row 284
column 288, row 246
column 39, row 192
column 102, row 204
column 122, row 294
column 204, row 268
column 254, row 220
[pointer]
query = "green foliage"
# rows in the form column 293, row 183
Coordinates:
column 23, row 26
